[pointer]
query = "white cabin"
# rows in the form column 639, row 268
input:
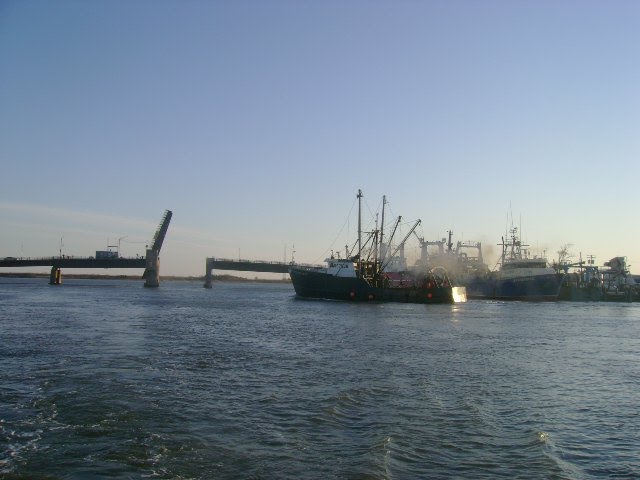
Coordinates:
column 341, row 267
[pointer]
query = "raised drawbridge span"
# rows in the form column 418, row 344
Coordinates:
column 150, row 263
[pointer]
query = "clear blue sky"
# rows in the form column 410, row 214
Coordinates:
column 257, row 121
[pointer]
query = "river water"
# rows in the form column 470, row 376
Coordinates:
column 107, row 379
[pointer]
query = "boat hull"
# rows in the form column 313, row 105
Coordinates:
column 312, row 283
column 572, row 293
column 532, row 288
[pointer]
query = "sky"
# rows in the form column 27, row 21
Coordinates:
column 256, row 122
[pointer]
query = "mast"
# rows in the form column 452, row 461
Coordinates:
column 393, row 233
column 382, row 251
column 359, row 232
column 376, row 239
column 402, row 243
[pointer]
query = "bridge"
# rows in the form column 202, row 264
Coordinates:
column 242, row 266
column 151, row 262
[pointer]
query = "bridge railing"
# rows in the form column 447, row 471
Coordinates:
column 67, row 257
column 269, row 262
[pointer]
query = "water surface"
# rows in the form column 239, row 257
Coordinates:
column 108, row 379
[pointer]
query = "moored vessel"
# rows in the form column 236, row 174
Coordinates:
column 519, row 277
column 588, row 282
column 464, row 263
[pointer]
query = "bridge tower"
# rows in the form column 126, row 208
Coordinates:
column 151, row 273
column 208, row 276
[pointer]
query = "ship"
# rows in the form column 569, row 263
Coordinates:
column 520, row 276
column 462, row 263
column 372, row 271
column 587, row 282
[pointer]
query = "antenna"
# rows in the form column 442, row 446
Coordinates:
column 359, row 232
column 382, row 249
column 520, row 221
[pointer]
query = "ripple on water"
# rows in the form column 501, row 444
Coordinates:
column 243, row 380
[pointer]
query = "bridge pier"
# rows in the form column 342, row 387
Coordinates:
column 55, row 277
column 152, row 271
column 208, row 275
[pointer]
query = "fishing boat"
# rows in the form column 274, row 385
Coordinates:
column 520, row 276
column 371, row 272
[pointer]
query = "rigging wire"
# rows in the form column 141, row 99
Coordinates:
column 372, row 215
column 370, row 226
column 346, row 223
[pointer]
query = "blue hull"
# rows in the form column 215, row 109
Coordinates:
column 534, row 288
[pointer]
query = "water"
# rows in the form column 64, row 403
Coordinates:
column 106, row 379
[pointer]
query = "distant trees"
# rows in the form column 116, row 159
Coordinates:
column 564, row 254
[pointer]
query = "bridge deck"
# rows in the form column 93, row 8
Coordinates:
column 74, row 262
column 247, row 265
column 243, row 266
